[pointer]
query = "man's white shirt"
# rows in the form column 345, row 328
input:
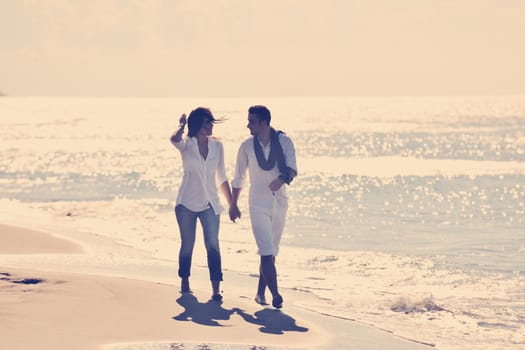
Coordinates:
column 260, row 194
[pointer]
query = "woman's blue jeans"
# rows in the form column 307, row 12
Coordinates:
column 187, row 221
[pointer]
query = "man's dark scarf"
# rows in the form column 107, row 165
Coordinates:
column 276, row 156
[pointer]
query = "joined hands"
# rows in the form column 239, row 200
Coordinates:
column 234, row 212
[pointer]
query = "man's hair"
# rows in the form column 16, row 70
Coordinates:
column 196, row 118
column 262, row 113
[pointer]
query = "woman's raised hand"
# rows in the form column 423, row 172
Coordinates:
column 182, row 120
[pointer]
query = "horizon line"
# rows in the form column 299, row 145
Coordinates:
column 301, row 96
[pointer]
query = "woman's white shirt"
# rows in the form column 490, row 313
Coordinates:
column 199, row 188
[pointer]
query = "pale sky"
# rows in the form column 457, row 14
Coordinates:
column 238, row 48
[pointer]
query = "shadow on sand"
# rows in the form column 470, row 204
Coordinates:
column 202, row 313
column 209, row 313
column 272, row 321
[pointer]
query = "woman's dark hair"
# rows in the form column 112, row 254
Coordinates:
column 262, row 113
column 197, row 117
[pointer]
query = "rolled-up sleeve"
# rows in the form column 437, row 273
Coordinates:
column 240, row 167
column 179, row 145
column 221, row 169
column 289, row 152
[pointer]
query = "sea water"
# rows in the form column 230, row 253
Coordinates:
column 407, row 213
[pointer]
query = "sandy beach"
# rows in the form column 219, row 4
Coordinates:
column 44, row 309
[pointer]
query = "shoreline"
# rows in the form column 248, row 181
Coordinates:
column 65, row 310
column 18, row 240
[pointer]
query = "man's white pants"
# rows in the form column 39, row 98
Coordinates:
column 268, row 227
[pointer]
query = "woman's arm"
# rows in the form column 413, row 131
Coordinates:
column 226, row 190
column 221, row 175
column 177, row 135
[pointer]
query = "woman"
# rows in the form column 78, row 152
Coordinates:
column 203, row 162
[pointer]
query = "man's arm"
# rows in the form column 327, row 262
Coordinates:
column 289, row 155
column 291, row 164
column 234, row 211
column 241, row 166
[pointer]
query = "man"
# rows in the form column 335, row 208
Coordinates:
column 269, row 157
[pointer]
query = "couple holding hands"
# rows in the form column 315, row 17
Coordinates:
column 269, row 158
